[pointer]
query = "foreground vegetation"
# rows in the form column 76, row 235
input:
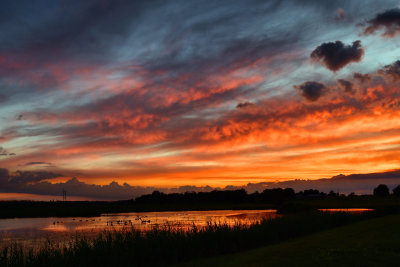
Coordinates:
column 373, row 242
column 167, row 246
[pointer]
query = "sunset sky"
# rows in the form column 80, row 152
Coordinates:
column 170, row 93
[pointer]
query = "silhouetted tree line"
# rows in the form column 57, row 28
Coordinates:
column 213, row 196
column 232, row 196
column 275, row 196
column 382, row 190
column 237, row 196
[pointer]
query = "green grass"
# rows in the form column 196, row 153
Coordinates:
column 374, row 242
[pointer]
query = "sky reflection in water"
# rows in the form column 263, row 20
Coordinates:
column 33, row 231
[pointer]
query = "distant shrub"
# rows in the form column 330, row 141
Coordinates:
column 396, row 191
column 381, row 191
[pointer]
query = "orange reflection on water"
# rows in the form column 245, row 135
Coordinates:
column 351, row 210
column 30, row 231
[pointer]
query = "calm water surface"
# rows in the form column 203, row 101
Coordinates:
column 352, row 210
column 33, row 231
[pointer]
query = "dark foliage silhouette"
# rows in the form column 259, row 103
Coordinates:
column 396, row 191
column 381, row 191
column 231, row 196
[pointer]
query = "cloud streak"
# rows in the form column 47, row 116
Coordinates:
column 388, row 20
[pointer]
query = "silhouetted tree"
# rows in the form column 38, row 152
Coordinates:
column 396, row 191
column 381, row 191
column 277, row 194
column 333, row 194
column 313, row 193
column 193, row 197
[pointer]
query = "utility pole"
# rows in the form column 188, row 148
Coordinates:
column 64, row 195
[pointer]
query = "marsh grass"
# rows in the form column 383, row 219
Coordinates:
column 167, row 245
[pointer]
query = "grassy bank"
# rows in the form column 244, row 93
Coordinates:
column 166, row 246
column 373, row 242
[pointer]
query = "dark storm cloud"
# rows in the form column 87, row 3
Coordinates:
column 336, row 55
column 311, row 90
column 363, row 78
column 388, row 20
column 4, row 152
column 33, row 176
column 245, row 105
column 10, row 182
column 346, row 86
column 37, row 163
column 392, row 70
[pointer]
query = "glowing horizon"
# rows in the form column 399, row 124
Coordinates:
column 187, row 94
